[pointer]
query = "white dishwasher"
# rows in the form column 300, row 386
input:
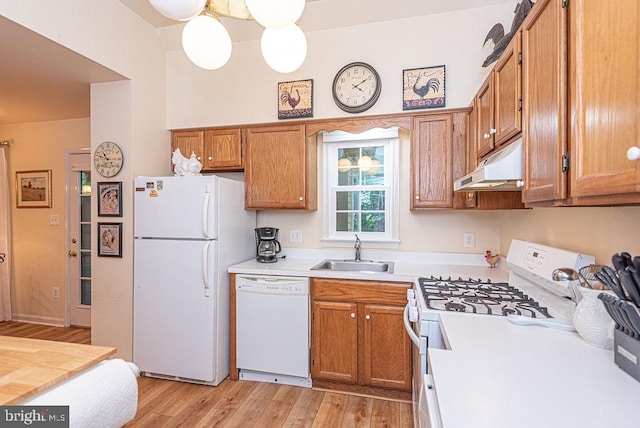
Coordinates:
column 272, row 329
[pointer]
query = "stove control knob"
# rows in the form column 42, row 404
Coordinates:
column 413, row 314
column 411, row 294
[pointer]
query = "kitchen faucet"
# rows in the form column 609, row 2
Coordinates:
column 357, row 246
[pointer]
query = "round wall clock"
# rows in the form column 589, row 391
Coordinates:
column 356, row 87
column 108, row 159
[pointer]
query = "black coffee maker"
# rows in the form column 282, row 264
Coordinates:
column 267, row 245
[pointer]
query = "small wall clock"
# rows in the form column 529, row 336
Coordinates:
column 356, row 87
column 108, row 159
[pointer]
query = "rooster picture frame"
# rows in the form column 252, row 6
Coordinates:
column 423, row 87
column 295, row 99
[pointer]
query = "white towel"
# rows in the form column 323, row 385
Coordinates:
column 105, row 395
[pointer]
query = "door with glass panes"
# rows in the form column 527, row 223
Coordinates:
column 79, row 240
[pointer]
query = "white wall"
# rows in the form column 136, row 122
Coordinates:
column 245, row 90
column 110, row 34
column 39, row 248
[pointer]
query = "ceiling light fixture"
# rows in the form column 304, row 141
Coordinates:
column 207, row 43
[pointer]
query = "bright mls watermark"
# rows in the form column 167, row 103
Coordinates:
column 34, row 416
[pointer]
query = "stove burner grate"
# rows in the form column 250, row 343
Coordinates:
column 478, row 296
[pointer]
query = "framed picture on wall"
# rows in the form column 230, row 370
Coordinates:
column 110, row 239
column 423, row 88
column 110, row 199
column 295, row 99
column 33, row 189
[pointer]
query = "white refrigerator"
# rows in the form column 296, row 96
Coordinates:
column 188, row 231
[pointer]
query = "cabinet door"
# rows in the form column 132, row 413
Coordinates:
column 431, row 162
column 187, row 142
column 470, row 200
column 335, row 341
column 605, row 100
column 223, row 149
column 279, row 168
column 485, row 114
column 544, row 102
column 507, row 93
column 387, row 348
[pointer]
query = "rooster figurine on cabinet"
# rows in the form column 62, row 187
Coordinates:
column 492, row 259
column 185, row 166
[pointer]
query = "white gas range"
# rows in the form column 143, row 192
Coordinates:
column 530, row 292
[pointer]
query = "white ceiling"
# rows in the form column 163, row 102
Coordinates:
column 41, row 80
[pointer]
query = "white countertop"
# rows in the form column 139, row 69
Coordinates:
column 408, row 266
column 498, row 374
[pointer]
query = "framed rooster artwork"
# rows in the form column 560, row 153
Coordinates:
column 423, row 88
column 295, row 99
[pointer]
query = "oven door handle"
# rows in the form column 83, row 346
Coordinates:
column 420, row 342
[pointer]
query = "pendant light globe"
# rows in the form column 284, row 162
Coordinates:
column 275, row 13
column 179, row 10
column 284, row 49
column 206, row 42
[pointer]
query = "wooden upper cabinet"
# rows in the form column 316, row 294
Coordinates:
column 431, row 161
column 605, row 100
column 223, row 149
column 470, row 200
column 280, row 168
column 188, row 142
column 485, row 140
column 544, row 83
column 216, row 149
column 508, row 92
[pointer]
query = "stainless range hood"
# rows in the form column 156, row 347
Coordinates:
column 500, row 171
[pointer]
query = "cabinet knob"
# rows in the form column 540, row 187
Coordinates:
column 519, row 183
column 417, row 198
column 301, row 198
column 210, row 157
column 633, row 153
column 487, row 136
column 353, row 315
column 368, row 317
column 492, row 131
column 199, row 158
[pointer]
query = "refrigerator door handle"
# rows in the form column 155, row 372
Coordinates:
column 205, row 268
column 205, row 215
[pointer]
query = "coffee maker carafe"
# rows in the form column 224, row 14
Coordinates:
column 267, row 245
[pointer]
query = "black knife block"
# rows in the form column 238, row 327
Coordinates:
column 626, row 352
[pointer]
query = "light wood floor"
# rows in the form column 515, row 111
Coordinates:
column 164, row 403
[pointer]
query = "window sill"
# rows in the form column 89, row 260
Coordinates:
column 390, row 244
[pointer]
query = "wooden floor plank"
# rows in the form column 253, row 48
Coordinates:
column 166, row 403
column 358, row 412
column 331, row 410
column 277, row 411
column 305, row 409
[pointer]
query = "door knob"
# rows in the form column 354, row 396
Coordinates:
column 633, row 153
column 72, row 253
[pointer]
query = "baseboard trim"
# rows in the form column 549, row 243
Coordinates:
column 35, row 319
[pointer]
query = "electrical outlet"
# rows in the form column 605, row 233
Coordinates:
column 469, row 240
column 56, row 292
column 54, row 220
column 295, row 236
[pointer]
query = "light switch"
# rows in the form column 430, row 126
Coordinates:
column 54, row 220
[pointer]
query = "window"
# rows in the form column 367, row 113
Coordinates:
column 361, row 186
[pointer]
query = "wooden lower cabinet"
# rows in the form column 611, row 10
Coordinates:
column 358, row 342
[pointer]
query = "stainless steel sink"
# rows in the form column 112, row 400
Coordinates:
column 355, row 266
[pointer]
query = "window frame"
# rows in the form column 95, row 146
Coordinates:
column 331, row 143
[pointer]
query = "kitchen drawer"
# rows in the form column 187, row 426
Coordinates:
column 391, row 293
